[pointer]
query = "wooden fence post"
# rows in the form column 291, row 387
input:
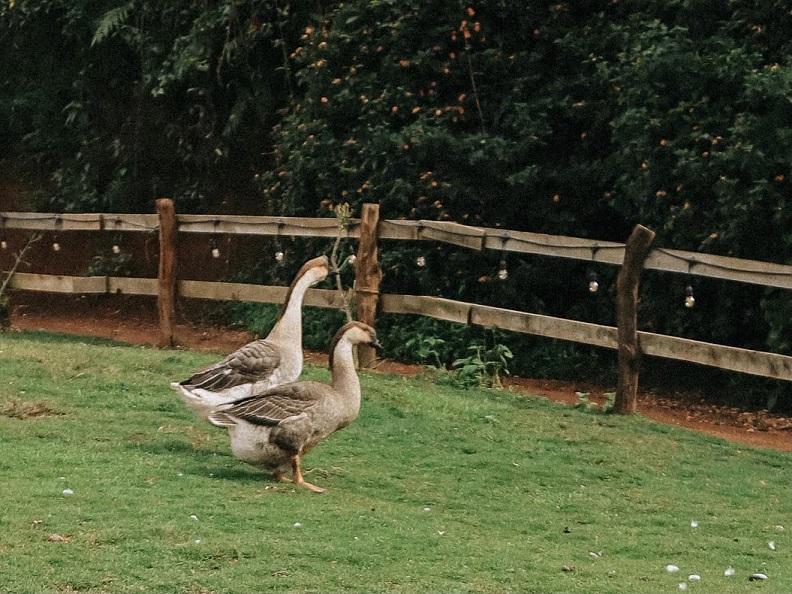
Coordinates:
column 635, row 254
column 166, row 296
column 368, row 275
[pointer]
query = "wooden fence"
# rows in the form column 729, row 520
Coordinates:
column 630, row 343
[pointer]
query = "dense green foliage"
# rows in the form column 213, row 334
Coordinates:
column 574, row 118
column 431, row 489
column 115, row 104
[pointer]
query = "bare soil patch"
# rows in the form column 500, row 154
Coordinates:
column 134, row 320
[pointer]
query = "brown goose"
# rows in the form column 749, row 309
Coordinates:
column 274, row 429
column 261, row 364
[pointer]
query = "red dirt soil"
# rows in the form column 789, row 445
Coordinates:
column 134, row 320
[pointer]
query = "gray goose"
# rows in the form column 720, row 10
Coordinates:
column 274, row 429
column 261, row 364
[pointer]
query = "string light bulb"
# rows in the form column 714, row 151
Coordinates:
column 503, row 273
column 279, row 256
column 420, row 261
column 690, row 301
column 215, row 251
column 116, row 248
column 56, row 246
column 593, row 285
column 3, row 245
column 352, row 258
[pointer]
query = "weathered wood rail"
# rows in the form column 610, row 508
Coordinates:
column 370, row 230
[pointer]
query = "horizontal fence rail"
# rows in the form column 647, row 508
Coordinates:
column 477, row 238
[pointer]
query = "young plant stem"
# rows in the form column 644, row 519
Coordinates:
column 342, row 214
column 18, row 259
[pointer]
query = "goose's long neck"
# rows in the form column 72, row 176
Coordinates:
column 289, row 324
column 345, row 379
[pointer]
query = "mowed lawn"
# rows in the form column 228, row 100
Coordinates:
column 109, row 484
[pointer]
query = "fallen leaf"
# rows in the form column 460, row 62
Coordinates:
column 755, row 577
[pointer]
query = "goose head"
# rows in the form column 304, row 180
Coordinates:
column 354, row 333
column 315, row 269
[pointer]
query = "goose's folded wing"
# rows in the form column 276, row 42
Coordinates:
column 277, row 404
column 253, row 362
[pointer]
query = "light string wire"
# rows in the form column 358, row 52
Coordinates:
column 59, row 218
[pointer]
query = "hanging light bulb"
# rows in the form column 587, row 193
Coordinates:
column 690, row 301
column 352, row 258
column 3, row 245
column 215, row 253
column 56, row 246
column 503, row 273
column 116, row 249
column 593, row 285
column 420, row 261
column 279, row 255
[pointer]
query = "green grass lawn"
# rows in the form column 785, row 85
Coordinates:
column 431, row 489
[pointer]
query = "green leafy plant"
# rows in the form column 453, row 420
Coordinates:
column 484, row 367
column 121, row 264
column 427, row 349
column 585, row 402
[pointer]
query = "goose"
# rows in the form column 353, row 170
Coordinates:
column 274, row 429
column 261, row 364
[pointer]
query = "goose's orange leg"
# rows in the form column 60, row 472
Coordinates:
column 297, row 477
